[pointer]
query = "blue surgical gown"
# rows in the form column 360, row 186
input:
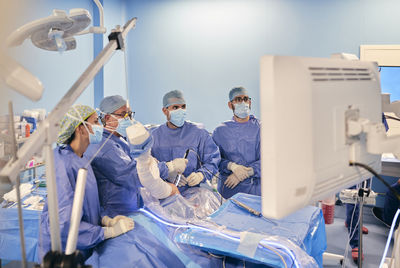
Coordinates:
column 239, row 143
column 67, row 164
column 172, row 143
column 117, row 179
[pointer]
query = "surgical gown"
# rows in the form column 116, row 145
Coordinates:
column 172, row 143
column 117, row 179
column 67, row 164
column 239, row 143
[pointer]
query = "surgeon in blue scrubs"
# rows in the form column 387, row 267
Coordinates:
column 239, row 143
column 119, row 185
column 175, row 137
column 79, row 128
column 114, row 166
column 390, row 207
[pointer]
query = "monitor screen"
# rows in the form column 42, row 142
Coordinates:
column 305, row 152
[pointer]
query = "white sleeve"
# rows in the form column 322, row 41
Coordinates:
column 149, row 176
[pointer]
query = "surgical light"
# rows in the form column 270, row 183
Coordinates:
column 54, row 33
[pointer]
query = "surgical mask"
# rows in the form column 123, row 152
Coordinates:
column 242, row 110
column 97, row 135
column 177, row 117
column 123, row 124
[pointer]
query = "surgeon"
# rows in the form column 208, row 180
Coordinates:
column 391, row 205
column 114, row 166
column 239, row 143
column 177, row 137
column 79, row 128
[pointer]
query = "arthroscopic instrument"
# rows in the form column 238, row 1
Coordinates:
column 178, row 177
column 251, row 210
column 247, row 208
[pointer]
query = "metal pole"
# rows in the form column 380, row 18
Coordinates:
column 76, row 213
column 21, row 223
column 360, row 234
column 20, row 218
column 12, row 132
column 52, row 201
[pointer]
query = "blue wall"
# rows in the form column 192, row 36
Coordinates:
column 205, row 47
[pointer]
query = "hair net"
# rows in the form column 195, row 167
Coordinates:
column 71, row 121
column 173, row 97
column 112, row 103
column 237, row 91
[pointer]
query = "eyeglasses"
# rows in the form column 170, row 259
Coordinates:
column 240, row 99
column 129, row 114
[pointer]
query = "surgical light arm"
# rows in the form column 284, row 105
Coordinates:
column 56, row 32
column 96, row 29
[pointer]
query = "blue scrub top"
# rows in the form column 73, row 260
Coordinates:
column 67, row 164
column 239, row 143
column 117, row 179
column 172, row 143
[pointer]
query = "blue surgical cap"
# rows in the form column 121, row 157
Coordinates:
column 173, row 97
column 112, row 103
column 237, row 91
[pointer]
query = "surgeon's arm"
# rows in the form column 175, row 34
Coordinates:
column 256, row 165
column 223, row 164
column 117, row 166
column 89, row 235
column 210, row 156
column 149, row 177
column 162, row 166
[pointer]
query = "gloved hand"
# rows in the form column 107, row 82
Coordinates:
column 194, row 178
column 240, row 171
column 183, row 181
column 174, row 189
column 108, row 222
column 250, row 172
column 122, row 226
column 232, row 181
column 176, row 166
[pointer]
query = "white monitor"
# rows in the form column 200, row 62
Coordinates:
column 304, row 150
